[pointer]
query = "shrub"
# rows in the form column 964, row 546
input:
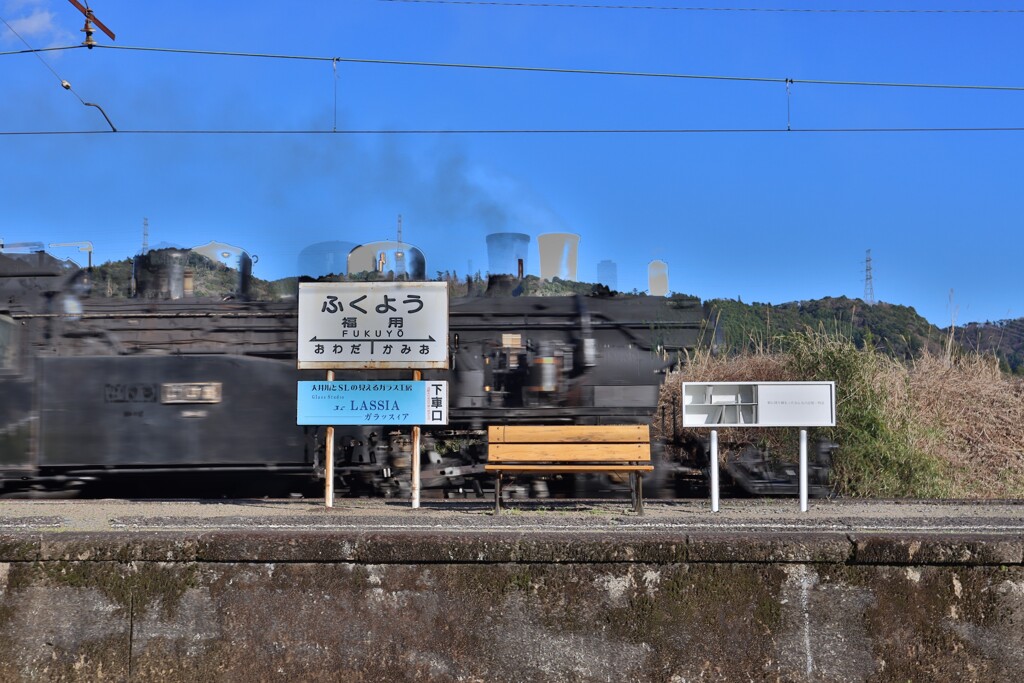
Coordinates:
column 934, row 427
column 879, row 438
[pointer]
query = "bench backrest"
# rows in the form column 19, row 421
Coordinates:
column 569, row 443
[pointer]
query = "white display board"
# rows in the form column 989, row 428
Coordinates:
column 759, row 404
column 373, row 325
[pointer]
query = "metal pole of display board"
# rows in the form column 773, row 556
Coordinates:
column 417, row 376
column 329, row 460
column 714, row 470
column 803, row 470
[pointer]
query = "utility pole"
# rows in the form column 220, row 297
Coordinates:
column 91, row 19
column 399, row 253
column 145, row 235
column 869, row 285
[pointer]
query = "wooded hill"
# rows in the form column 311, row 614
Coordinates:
column 894, row 329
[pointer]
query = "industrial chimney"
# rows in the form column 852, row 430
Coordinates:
column 505, row 252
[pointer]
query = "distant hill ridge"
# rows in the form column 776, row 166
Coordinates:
column 895, row 329
column 892, row 328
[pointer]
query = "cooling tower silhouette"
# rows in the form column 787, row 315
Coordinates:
column 400, row 258
column 558, row 253
column 325, row 258
column 657, row 278
column 504, row 252
column 608, row 274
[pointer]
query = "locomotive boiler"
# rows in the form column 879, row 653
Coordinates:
column 165, row 381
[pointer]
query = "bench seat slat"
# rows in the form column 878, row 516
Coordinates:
column 505, row 452
column 570, row 449
column 567, row 469
column 569, row 434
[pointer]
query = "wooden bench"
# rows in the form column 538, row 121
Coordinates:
column 570, row 449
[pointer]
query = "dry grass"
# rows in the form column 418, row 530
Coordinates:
column 703, row 367
column 942, row 426
column 973, row 417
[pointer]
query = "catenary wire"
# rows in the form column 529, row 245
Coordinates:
column 30, row 50
column 335, row 60
column 800, row 10
column 540, row 69
column 64, row 83
column 524, row 131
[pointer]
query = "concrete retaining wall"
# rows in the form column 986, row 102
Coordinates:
column 503, row 606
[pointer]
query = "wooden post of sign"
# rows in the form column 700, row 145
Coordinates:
column 417, row 376
column 329, row 460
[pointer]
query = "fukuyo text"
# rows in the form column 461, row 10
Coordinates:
column 373, row 325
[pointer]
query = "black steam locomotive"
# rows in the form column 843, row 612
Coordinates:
column 168, row 382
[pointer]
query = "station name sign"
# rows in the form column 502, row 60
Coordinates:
column 373, row 325
column 366, row 402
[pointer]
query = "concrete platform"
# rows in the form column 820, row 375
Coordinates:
column 570, row 591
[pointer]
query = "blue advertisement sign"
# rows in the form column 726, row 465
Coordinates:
column 365, row 402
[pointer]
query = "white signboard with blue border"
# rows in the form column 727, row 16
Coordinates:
column 373, row 402
column 373, row 325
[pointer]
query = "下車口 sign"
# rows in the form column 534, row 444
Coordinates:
column 373, row 402
column 373, row 325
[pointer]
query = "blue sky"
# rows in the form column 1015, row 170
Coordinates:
column 769, row 216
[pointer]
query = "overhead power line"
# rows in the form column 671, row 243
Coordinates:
column 63, row 83
column 800, row 10
column 521, row 131
column 32, row 50
column 557, row 70
column 542, row 69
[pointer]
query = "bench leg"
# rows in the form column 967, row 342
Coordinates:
column 639, row 494
column 497, row 494
column 632, row 489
